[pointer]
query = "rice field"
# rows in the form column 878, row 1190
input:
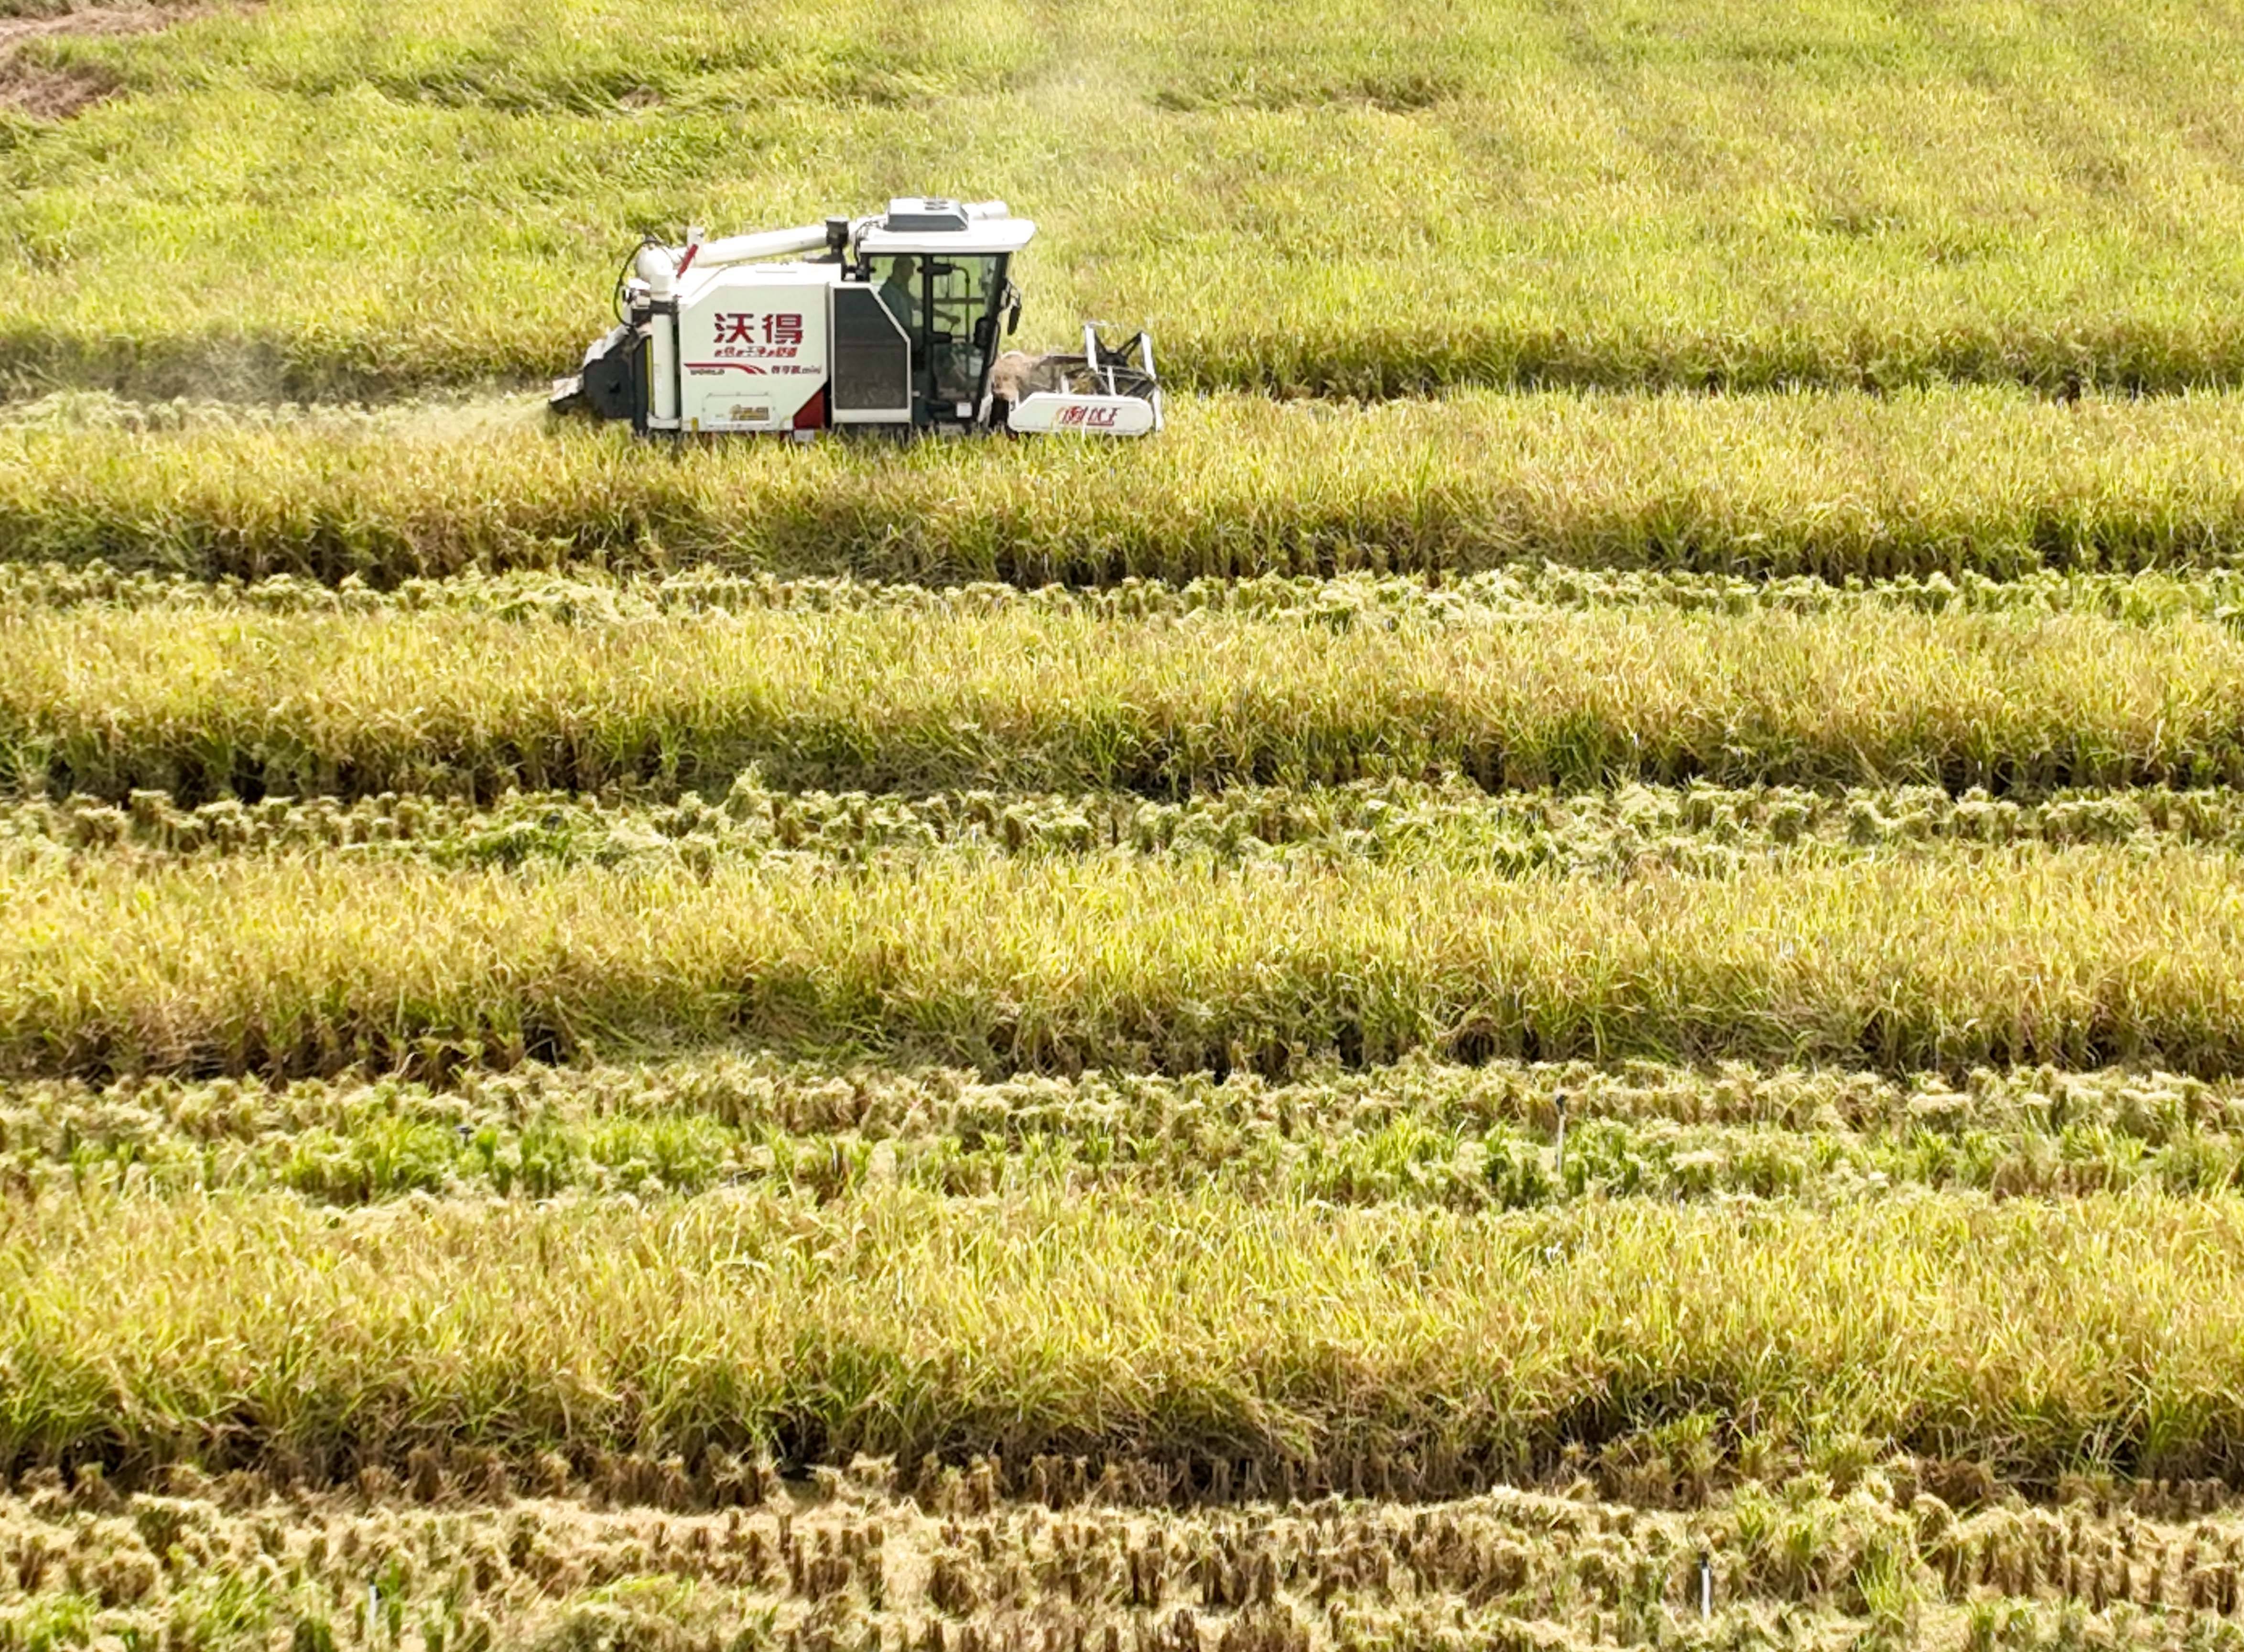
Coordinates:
column 357, row 197
column 1943, row 481
column 959, row 693
column 1567, row 972
column 2081, row 956
column 2091, row 1335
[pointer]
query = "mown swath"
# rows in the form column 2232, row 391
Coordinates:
column 1416, row 1134
column 673, row 1560
column 1702, row 829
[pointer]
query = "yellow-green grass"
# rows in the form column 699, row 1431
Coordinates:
column 1450, row 824
column 297, row 965
column 317, row 196
column 1444, row 1352
column 967, row 692
column 1944, row 481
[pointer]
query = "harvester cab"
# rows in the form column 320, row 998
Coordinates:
column 890, row 322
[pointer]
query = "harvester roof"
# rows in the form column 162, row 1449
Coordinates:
column 920, row 225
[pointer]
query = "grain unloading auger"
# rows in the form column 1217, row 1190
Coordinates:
column 892, row 322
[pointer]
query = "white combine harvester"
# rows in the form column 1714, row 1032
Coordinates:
column 893, row 324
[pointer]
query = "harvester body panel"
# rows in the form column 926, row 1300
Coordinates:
column 754, row 347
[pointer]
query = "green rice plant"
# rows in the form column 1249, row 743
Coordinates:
column 1971, row 958
column 1829, row 486
column 324, row 197
column 956, row 695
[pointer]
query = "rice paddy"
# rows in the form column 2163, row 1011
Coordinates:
column 357, row 198
column 1568, row 971
column 1943, row 481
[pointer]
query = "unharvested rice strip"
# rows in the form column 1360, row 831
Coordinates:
column 1522, row 592
column 2175, row 342
column 1397, row 1158
column 761, row 1093
column 1399, row 1353
column 1828, row 486
column 207, row 705
column 2074, row 957
column 863, row 1559
column 1703, row 829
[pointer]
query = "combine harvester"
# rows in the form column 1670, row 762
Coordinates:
column 892, row 326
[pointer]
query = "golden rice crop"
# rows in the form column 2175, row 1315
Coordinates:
column 1994, row 957
column 1944, row 481
column 2096, row 1335
column 958, row 694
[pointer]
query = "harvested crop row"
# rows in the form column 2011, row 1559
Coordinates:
column 758, row 1093
column 1944, row 482
column 206, row 704
column 1994, row 957
column 1415, row 1352
column 860, row 1561
column 1514, row 594
column 1704, row 829
column 1378, row 1156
